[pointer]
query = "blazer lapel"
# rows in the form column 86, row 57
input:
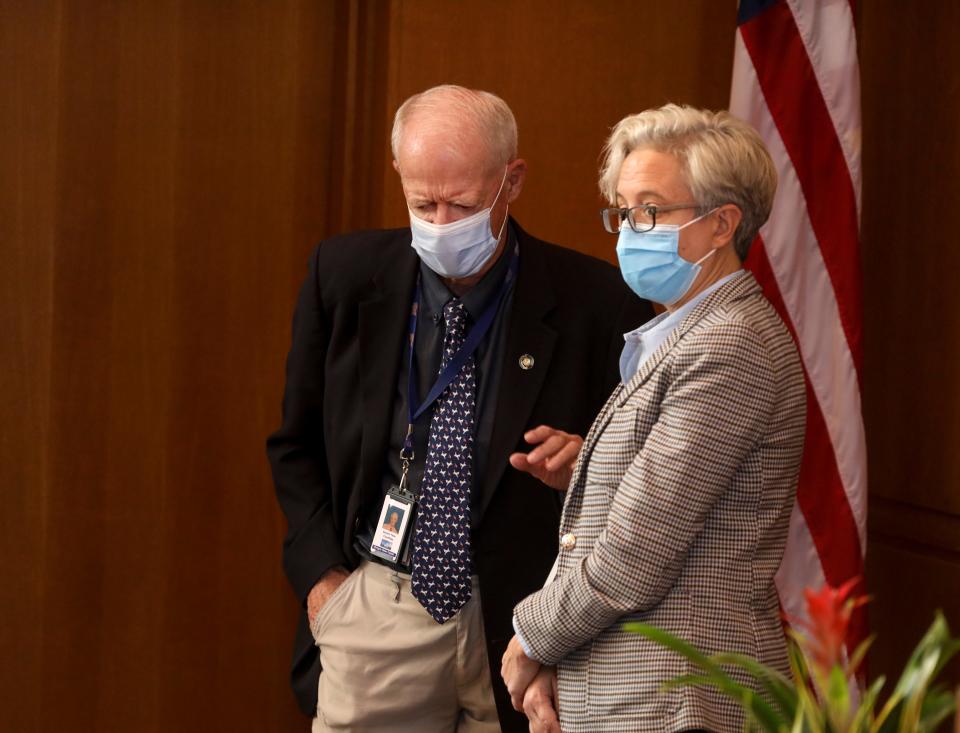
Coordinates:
column 382, row 332
column 527, row 334
column 740, row 286
column 596, row 428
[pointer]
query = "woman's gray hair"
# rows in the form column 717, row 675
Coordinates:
column 723, row 160
column 463, row 111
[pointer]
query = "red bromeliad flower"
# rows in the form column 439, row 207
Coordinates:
column 829, row 612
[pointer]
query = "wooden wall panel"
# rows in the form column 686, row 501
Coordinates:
column 911, row 265
column 29, row 79
column 253, row 85
column 168, row 174
column 910, row 576
column 911, row 106
column 361, row 126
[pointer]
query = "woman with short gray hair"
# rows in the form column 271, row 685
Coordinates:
column 678, row 508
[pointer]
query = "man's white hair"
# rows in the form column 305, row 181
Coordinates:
column 723, row 160
column 460, row 112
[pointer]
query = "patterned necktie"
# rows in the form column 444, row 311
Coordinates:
column 441, row 575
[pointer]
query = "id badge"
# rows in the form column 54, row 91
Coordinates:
column 389, row 539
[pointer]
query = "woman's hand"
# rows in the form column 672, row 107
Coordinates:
column 540, row 702
column 518, row 671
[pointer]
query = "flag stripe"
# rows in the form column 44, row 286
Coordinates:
column 800, row 113
column 796, row 80
column 800, row 276
column 800, row 562
column 828, row 35
column 820, row 494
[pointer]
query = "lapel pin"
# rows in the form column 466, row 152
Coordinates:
column 526, row 362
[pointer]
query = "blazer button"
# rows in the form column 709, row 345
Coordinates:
column 568, row 541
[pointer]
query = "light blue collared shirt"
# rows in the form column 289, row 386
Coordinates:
column 642, row 342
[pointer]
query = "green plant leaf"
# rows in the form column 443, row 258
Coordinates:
column 799, row 722
column 798, row 663
column 903, row 709
column 950, row 648
column 913, row 701
column 937, row 706
column 810, row 711
column 665, row 638
column 856, row 659
column 819, row 701
column 838, row 699
column 688, row 680
column 862, row 718
column 936, row 639
column 755, row 707
column 780, row 689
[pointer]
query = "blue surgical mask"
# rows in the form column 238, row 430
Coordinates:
column 460, row 248
column 651, row 264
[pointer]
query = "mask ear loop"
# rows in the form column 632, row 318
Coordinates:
column 506, row 216
column 503, row 180
column 708, row 254
column 496, row 198
column 694, row 221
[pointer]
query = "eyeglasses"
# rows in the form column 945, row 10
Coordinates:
column 640, row 218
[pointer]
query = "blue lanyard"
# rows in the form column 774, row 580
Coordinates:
column 449, row 373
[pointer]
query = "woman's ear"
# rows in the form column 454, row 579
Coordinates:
column 728, row 219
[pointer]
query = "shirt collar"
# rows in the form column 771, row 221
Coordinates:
column 436, row 294
column 642, row 342
column 668, row 320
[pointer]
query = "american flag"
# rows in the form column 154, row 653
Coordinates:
column 796, row 79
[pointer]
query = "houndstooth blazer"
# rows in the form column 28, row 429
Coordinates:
column 677, row 516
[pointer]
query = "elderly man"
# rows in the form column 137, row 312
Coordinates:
column 678, row 509
column 421, row 361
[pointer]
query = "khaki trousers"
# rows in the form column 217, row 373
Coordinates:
column 388, row 666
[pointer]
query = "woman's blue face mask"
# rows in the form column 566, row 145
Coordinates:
column 651, row 264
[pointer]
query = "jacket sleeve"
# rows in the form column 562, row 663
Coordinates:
column 713, row 412
column 297, row 451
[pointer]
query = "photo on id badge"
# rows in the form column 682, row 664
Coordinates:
column 392, row 528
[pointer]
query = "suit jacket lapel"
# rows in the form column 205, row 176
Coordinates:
column 527, row 334
column 382, row 331
column 596, row 428
column 740, row 286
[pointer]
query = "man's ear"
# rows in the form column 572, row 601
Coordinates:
column 728, row 219
column 396, row 166
column 516, row 175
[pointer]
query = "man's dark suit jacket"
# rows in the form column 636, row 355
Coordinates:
column 569, row 313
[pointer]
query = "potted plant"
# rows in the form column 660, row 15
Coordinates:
column 820, row 698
